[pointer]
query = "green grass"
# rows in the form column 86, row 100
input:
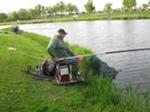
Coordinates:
column 20, row 93
column 87, row 17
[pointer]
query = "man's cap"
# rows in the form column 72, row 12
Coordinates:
column 62, row 31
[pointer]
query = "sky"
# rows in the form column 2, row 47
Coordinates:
column 14, row 5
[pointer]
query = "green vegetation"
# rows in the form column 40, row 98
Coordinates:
column 129, row 4
column 87, row 17
column 20, row 93
column 62, row 12
column 108, row 9
column 89, row 7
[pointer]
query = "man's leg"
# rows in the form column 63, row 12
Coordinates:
column 75, row 66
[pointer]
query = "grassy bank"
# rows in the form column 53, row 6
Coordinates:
column 87, row 17
column 20, row 93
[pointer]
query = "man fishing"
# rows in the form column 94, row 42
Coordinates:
column 57, row 49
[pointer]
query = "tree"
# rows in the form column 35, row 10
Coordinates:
column 145, row 6
column 77, row 10
column 49, row 11
column 60, row 7
column 149, row 5
column 108, row 9
column 13, row 16
column 89, row 7
column 55, row 9
column 3, row 16
column 33, row 14
column 129, row 4
column 43, row 11
column 23, row 14
column 40, row 11
column 72, row 8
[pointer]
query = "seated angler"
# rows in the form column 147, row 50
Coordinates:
column 57, row 49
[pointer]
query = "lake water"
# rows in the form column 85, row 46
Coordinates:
column 103, row 36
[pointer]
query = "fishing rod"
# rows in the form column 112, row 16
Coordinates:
column 105, row 53
column 87, row 55
column 90, row 55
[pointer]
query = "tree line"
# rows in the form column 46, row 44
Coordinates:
column 61, row 8
column 40, row 11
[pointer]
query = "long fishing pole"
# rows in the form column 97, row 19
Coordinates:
column 89, row 55
column 105, row 53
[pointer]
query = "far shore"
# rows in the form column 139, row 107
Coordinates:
column 83, row 17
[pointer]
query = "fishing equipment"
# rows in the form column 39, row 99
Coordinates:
column 64, row 75
column 62, row 72
column 86, row 55
column 43, row 71
column 49, row 70
column 105, row 53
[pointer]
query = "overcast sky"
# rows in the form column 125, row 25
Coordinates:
column 13, row 5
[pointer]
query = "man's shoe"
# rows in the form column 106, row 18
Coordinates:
column 74, row 78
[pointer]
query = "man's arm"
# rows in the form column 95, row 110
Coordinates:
column 52, row 48
column 70, row 52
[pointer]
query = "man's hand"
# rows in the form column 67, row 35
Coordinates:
column 55, row 59
column 79, row 57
